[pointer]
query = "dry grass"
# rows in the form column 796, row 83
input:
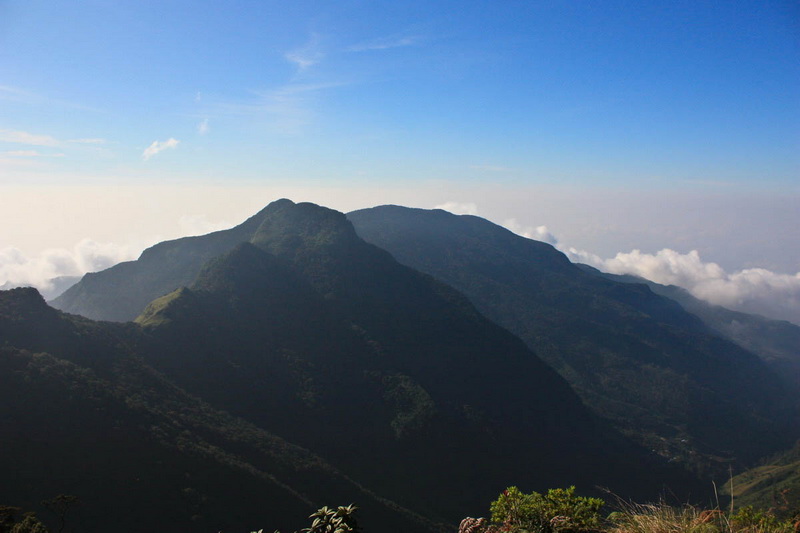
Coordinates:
column 662, row 518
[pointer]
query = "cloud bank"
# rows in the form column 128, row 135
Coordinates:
column 752, row 290
column 19, row 270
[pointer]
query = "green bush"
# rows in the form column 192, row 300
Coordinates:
column 756, row 519
column 559, row 510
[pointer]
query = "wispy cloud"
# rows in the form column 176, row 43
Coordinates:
column 29, row 153
column 159, row 146
column 307, row 55
column 35, row 139
column 13, row 93
column 288, row 108
column 292, row 106
column 387, row 43
column 23, row 137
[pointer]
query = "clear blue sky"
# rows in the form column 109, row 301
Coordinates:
column 623, row 92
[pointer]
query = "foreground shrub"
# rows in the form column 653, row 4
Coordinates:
column 559, row 510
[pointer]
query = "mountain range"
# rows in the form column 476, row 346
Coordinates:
column 661, row 374
column 415, row 362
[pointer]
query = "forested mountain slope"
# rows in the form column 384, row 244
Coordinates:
column 635, row 357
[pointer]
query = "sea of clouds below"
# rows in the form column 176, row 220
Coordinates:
column 752, row 290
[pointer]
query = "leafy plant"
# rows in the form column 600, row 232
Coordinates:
column 28, row 523
column 328, row 520
column 558, row 510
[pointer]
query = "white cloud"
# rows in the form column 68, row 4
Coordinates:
column 538, row 233
column 159, row 146
column 17, row 269
column 23, row 137
column 306, row 56
column 290, row 107
column 752, row 290
column 203, row 127
column 459, row 208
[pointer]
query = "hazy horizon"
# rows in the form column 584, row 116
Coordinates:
column 606, row 129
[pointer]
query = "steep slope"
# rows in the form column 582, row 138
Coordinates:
column 121, row 292
column 634, row 357
column 776, row 342
column 81, row 414
column 384, row 371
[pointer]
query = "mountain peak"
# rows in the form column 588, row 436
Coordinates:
column 286, row 226
column 22, row 301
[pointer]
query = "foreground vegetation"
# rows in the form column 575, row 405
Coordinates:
column 562, row 511
column 556, row 511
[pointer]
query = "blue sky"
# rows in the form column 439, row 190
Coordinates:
column 618, row 124
column 644, row 93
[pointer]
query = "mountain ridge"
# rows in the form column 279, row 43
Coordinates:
column 636, row 357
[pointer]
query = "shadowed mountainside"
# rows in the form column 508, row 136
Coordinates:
column 82, row 414
column 635, row 357
column 302, row 332
column 776, row 342
column 424, row 383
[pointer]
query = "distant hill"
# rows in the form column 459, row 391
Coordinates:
column 661, row 374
